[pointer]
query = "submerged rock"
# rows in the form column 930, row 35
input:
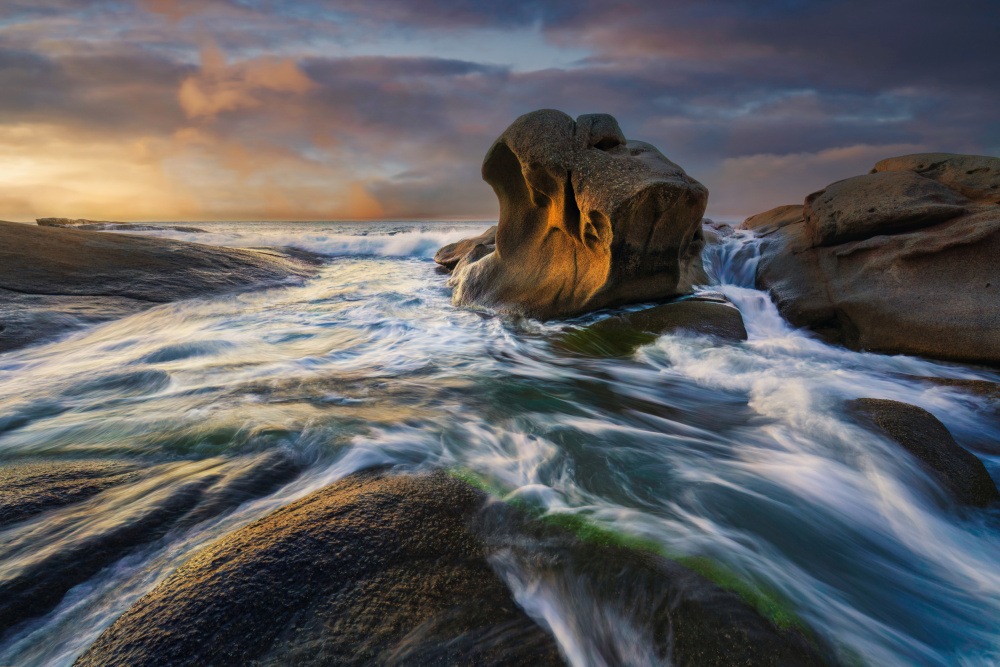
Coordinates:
column 620, row 335
column 588, row 220
column 44, row 560
column 53, row 280
column 403, row 569
column 899, row 260
column 921, row 434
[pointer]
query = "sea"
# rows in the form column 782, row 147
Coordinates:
column 740, row 454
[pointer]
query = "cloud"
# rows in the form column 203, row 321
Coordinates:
column 755, row 183
column 219, row 87
column 256, row 109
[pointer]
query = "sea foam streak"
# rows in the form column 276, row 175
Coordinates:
column 394, row 243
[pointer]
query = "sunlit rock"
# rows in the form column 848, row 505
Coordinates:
column 450, row 255
column 588, row 219
column 903, row 259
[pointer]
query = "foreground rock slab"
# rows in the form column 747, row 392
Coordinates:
column 53, row 279
column 899, row 260
column 372, row 570
column 921, row 434
column 383, row 568
column 588, row 220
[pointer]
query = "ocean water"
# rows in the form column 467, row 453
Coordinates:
column 740, row 453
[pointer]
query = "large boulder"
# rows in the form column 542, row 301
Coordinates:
column 374, row 570
column 901, row 260
column 588, row 220
column 920, row 433
column 413, row 569
column 54, row 279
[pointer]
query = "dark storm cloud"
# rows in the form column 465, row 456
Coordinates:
column 262, row 98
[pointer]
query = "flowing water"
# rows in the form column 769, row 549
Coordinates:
column 738, row 453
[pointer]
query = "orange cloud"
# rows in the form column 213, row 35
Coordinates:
column 219, row 87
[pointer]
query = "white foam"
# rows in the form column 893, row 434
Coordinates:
column 421, row 244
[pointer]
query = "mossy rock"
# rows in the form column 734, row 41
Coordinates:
column 621, row 335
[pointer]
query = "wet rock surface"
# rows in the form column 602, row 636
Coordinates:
column 382, row 568
column 620, row 335
column 76, row 540
column 374, row 569
column 899, row 260
column 588, row 220
column 921, row 434
column 53, row 280
column 28, row 488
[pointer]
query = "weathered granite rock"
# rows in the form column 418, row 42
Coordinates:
column 900, row 260
column 882, row 203
column 620, row 335
column 400, row 569
column 450, row 255
column 374, row 569
column 769, row 222
column 715, row 232
column 587, row 220
column 921, row 434
column 79, row 540
column 53, row 279
column 108, row 225
column 976, row 177
column 32, row 487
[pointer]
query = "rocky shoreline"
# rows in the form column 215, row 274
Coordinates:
column 392, row 566
column 53, row 279
column 900, row 260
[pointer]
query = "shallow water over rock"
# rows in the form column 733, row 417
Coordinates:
column 740, row 454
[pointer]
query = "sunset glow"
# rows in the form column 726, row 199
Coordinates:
column 224, row 110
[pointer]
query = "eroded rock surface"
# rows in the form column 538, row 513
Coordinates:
column 450, row 255
column 921, row 434
column 588, row 219
column 899, row 260
column 53, row 280
column 383, row 568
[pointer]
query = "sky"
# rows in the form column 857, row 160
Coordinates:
column 383, row 109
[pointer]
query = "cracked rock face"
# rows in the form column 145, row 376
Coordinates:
column 588, row 220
